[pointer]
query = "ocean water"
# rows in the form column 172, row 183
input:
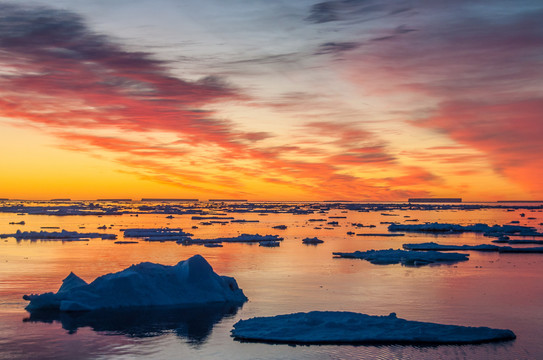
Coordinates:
column 491, row 289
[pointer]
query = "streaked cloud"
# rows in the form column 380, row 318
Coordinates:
column 341, row 98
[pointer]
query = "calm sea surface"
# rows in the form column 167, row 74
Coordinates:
column 491, row 289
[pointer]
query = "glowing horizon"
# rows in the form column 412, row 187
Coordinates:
column 264, row 101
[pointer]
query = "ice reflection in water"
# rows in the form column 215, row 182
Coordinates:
column 191, row 323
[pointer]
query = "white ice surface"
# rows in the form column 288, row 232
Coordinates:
column 329, row 327
column 190, row 282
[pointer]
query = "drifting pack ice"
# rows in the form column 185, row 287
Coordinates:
column 495, row 230
column 56, row 235
column 432, row 246
column 409, row 258
column 330, row 327
column 190, row 282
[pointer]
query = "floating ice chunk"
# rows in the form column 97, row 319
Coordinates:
column 495, row 230
column 253, row 238
column 243, row 238
column 380, row 234
column 413, row 258
column 213, row 245
column 312, row 241
column 56, row 235
column 328, row 327
column 483, row 247
column 438, row 247
column 190, row 282
column 269, row 243
column 157, row 234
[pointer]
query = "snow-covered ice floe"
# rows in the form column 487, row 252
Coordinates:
column 190, row 282
column 414, row 258
column 329, row 327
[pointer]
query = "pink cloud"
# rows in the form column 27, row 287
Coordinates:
column 474, row 74
column 64, row 78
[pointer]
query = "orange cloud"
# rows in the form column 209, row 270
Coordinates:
column 79, row 85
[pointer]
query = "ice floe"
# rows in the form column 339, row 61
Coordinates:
column 269, row 243
column 243, row 238
column 56, row 235
column 380, row 234
column 330, row 327
column 438, row 247
column 190, row 282
column 432, row 246
column 312, row 241
column 412, row 258
column 495, row 230
column 157, row 234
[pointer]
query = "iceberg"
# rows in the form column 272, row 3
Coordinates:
column 330, row 327
column 269, row 243
column 410, row 258
column 190, row 282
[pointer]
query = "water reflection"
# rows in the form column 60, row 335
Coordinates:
column 191, row 323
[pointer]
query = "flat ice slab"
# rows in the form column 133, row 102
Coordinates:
column 56, row 235
column 495, row 230
column 329, row 327
column 190, row 282
column 438, row 247
column 413, row 258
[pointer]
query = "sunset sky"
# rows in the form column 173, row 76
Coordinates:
column 271, row 100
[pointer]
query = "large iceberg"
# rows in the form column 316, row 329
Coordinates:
column 190, row 282
column 329, row 327
column 410, row 258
